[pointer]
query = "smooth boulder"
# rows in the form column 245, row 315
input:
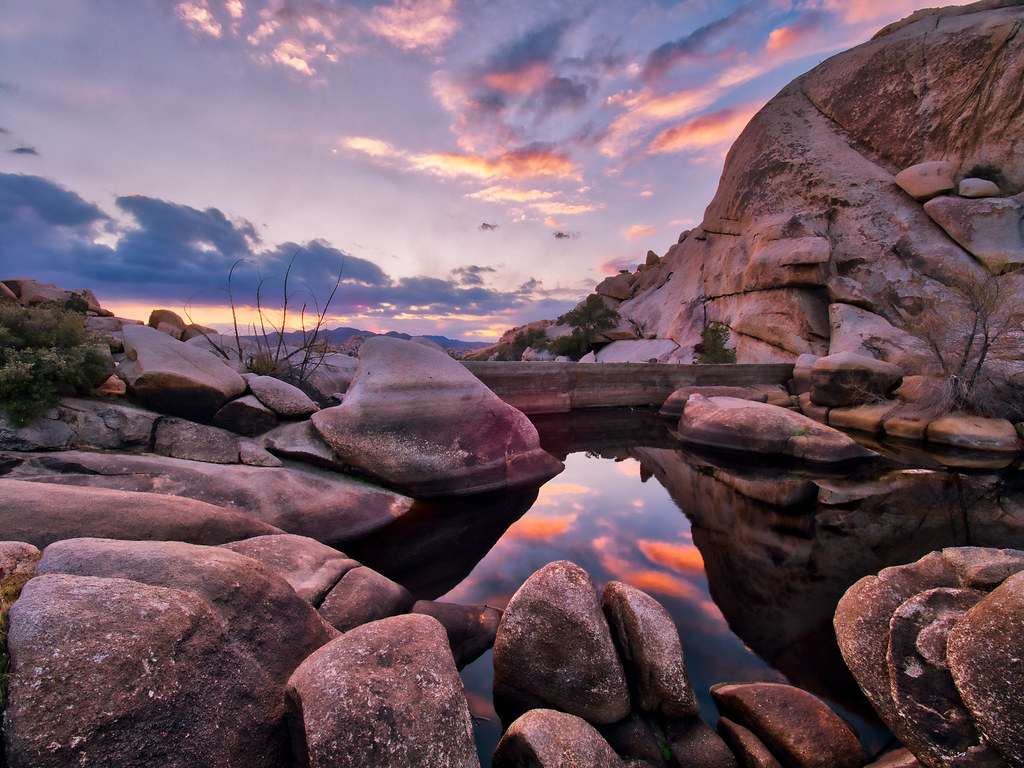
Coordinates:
column 847, row 378
column 119, row 673
column 42, row 513
column 419, row 421
column 730, row 423
column 386, row 694
column 554, row 648
column 546, row 738
column 173, row 377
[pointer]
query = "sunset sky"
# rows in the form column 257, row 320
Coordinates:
column 477, row 163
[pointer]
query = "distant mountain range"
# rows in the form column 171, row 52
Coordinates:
column 342, row 336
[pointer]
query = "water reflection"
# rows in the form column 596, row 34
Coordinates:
column 750, row 557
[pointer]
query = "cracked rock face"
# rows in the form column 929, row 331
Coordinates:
column 808, row 199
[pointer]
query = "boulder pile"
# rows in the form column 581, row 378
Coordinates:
column 582, row 678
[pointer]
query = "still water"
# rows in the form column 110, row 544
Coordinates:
column 748, row 556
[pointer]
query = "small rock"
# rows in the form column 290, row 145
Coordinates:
column 694, row 745
column 978, row 188
column 312, row 568
column 284, row 399
column 797, row 727
column 546, row 738
column 181, row 439
column 926, row 180
column 847, row 378
column 245, row 416
column 977, row 433
column 471, row 629
column 361, row 596
column 751, row 750
column 989, row 229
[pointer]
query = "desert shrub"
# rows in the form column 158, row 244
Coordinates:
column 273, row 356
column 44, row 352
column 525, row 339
column 712, row 349
column 986, row 171
column 588, row 319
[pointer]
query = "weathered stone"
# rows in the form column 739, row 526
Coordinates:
column 792, row 262
column 244, row 416
column 796, row 726
column 963, row 430
column 173, row 377
column 694, row 745
column 862, row 418
column 311, row 568
column 171, row 320
column 42, row 513
column 362, row 595
column 651, row 653
column 985, row 653
column 614, row 286
column 333, row 376
column 282, row 398
column 906, row 423
column 18, row 557
column 554, row 645
column 182, row 439
column 868, row 334
column 675, row 404
column 7, row 296
column 931, row 719
column 751, row 751
column 386, row 694
column 116, row 672
column 258, row 608
column 926, row 180
column 325, row 506
column 32, row 293
column 898, row 758
column 467, row 441
column 802, row 373
column 255, row 455
column 471, row 629
column 989, row 228
column 978, row 188
column 638, row 351
column 300, row 441
column 741, row 425
column 47, row 433
column 844, row 290
column 847, row 378
column 546, row 738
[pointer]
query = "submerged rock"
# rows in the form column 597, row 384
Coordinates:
column 420, row 421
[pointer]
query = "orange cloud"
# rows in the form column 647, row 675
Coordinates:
column 525, row 80
column 685, row 558
column 613, row 267
column 515, row 164
column 510, row 195
column 563, row 209
column 665, row 584
column 415, row 24
column 540, row 528
column 638, row 231
column 705, row 131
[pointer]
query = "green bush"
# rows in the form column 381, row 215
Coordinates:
column 712, row 349
column 588, row 319
column 44, row 352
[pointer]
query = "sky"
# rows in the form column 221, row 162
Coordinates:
column 465, row 166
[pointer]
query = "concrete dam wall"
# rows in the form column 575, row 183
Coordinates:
column 561, row 387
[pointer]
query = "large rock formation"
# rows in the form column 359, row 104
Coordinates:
column 809, row 230
column 420, row 421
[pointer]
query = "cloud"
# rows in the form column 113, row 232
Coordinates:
column 197, row 16
column 164, row 252
column 532, row 161
column 24, row 151
column 713, row 39
column 796, row 35
column 709, row 130
column 563, row 235
column 415, row 24
column 487, row 227
column 473, row 274
column 686, row 558
column 613, row 267
column 638, row 231
column 510, row 195
column 540, row 528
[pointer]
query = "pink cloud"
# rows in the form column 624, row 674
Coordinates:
column 705, row 131
column 638, row 231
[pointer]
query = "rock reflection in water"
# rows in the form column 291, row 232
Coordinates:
column 436, row 545
column 781, row 544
